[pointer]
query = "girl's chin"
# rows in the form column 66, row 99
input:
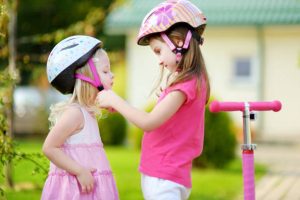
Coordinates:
column 108, row 87
column 171, row 70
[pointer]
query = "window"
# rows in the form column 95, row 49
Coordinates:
column 242, row 69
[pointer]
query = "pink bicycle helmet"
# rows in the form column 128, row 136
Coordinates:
column 168, row 13
column 69, row 55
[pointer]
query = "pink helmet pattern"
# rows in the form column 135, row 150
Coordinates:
column 168, row 13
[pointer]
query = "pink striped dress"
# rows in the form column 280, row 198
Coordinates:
column 86, row 148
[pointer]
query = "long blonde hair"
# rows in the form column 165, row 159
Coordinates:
column 192, row 63
column 84, row 94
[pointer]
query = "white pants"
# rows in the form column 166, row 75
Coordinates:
column 160, row 189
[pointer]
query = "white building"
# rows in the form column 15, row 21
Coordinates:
column 251, row 49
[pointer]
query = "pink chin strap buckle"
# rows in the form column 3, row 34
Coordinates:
column 94, row 82
column 178, row 50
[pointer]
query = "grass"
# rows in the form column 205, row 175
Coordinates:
column 208, row 184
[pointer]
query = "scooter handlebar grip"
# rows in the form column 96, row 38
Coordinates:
column 216, row 106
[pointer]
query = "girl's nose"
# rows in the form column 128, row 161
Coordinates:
column 112, row 75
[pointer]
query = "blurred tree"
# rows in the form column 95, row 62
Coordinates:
column 8, row 78
column 12, row 7
column 3, row 28
column 8, row 150
column 52, row 20
column 3, row 21
column 41, row 24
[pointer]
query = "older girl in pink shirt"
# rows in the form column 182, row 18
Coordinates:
column 174, row 129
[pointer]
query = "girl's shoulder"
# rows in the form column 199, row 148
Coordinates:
column 74, row 109
column 187, row 87
column 190, row 83
column 69, row 121
column 73, row 114
column 62, row 113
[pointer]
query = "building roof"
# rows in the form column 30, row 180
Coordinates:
column 218, row 13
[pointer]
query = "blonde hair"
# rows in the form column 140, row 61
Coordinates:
column 84, row 94
column 192, row 63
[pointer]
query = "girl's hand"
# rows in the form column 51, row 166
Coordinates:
column 86, row 180
column 105, row 99
column 111, row 110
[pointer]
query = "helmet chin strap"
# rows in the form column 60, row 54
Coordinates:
column 178, row 50
column 96, row 82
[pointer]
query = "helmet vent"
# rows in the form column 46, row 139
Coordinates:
column 73, row 38
column 69, row 47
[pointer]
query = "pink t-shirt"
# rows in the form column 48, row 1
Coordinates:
column 168, row 151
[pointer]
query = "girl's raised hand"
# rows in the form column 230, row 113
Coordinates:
column 105, row 99
column 86, row 180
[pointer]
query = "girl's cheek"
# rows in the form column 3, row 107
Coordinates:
column 106, row 83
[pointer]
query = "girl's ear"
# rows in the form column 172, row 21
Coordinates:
column 179, row 43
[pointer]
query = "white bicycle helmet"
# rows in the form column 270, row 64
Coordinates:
column 69, row 55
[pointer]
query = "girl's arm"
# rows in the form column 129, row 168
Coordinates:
column 70, row 122
column 146, row 121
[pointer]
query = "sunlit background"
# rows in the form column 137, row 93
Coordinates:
column 252, row 53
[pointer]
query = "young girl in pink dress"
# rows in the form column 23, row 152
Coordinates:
column 79, row 169
column 174, row 129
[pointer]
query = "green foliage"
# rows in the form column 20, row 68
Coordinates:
column 37, row 158
column 8, row 149
column 219, row 141
column 6, row 145
column 113, row 42
column 41, row 24
column 112, row 129
column 119, row 70
column 6, row 80
column 113, row 126
column 59, row 14
column 3, row 21
column 28, row 171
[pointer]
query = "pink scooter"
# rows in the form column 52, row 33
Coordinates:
column 247, row 148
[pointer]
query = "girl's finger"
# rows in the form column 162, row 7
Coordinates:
column 88, row 189
column 83, row 189
column 110, row 109
column 91, row 187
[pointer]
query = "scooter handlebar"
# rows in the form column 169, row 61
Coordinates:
column 216, row 106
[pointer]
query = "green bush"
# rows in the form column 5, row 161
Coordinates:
column 113, row 126
column 219, row 141
column 137, row 136
column 112, row 129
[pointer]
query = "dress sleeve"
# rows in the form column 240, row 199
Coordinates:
column 189, row 88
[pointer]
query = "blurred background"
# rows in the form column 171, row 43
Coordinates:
column 252, row 53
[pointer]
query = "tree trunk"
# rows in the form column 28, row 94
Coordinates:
column 12, row 30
